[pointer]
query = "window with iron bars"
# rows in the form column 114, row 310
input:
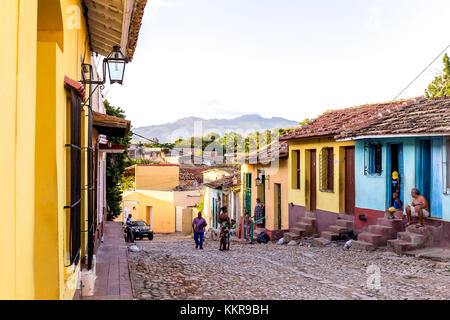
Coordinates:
column 373, row 159
column 326, row 170
column 75, row 178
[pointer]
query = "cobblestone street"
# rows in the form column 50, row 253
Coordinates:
column 169, row 267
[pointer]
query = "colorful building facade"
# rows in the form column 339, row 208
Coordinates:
column 265, row 177
column 322, row 169
column 45, row 133
column 414, row 142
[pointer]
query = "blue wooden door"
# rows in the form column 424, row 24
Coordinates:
column 424, row 169
column 401, row 172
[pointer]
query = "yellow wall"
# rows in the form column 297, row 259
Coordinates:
column 157, row 177
column 162, row 204
column 39, row 50
column 278, row 174
column 326, row 201
column 17, row 122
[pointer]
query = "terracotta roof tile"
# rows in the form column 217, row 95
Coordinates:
column 425, row 117
column 337, row 122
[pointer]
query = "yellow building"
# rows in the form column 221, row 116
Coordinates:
column 162, row 177
column 44, row 132
column 266, row 178
column 157, row 208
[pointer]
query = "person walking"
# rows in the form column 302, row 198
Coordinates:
column 259, row 212
column 225, row 226
column 198, row 225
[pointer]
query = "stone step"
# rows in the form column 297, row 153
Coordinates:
column 427, row 231
column 310, row 214
column 413, row 238
column 397, row 224
column 386, row 232
column 299, row 231
column 345, row 223
column 363, row 245
column 375, row 239
column 305, row 226
column 331, row 236
column 338, row 229
column 320, row 242
column 309, row 220
column 398, row 246
column 288, row 237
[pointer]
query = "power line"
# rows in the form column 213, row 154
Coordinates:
column 151, row 140
column 409, row 85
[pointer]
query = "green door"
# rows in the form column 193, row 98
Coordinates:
column 279, row 206
column 248, row 193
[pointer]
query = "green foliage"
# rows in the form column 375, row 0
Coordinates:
column 132, row 162
column 115, row 165
column 440, row 87
column 200, row 206
column 127, row 184
column 232, row 141
column 306, row 121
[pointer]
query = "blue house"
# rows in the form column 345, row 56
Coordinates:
column 415, row 142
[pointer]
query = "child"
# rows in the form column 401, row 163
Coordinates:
column 247, row 223
column 233, row 227
column 397, row 206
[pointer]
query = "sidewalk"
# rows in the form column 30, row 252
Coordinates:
column 113, row 278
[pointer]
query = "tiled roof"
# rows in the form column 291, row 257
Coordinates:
column 423, row 118
column 336, row 122
column 225, row 182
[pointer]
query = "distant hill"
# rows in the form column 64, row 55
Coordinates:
column 184, row 128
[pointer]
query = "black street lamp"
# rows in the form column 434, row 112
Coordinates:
column 115, row 64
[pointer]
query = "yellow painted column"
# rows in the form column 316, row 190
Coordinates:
column 49, row 193
column 25, row 149
column 9, row 16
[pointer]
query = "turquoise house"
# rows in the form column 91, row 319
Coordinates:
column 415, row 142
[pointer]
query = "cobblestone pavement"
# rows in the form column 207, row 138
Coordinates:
column 169, row 267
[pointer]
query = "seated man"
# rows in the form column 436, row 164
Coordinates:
column 419, row 208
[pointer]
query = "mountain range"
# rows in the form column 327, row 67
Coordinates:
column 184, row 128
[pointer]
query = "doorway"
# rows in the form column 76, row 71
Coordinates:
column 313, row 180
column 277, row 206
column 149, row 216
column 395, row 164
column 350, row 180
column 424, row 169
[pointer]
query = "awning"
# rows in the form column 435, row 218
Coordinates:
column 114, row 22
column 115, row 148
column 77, row 86
column 111, row 126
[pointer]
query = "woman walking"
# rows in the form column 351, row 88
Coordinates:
column 225, row 226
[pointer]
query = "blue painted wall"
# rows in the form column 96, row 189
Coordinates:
column 372, row 190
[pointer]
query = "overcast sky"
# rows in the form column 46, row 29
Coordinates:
column 288, row 58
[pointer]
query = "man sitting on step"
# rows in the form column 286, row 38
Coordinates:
column 420, row 207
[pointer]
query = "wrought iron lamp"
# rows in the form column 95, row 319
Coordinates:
column 115, row 65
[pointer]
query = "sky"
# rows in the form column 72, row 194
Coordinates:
column 286, row 58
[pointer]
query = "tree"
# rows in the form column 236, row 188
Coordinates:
column 304, row 122
column 440, row 87
column 115, row 165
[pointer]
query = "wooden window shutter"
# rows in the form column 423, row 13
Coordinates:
column 298, row 168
